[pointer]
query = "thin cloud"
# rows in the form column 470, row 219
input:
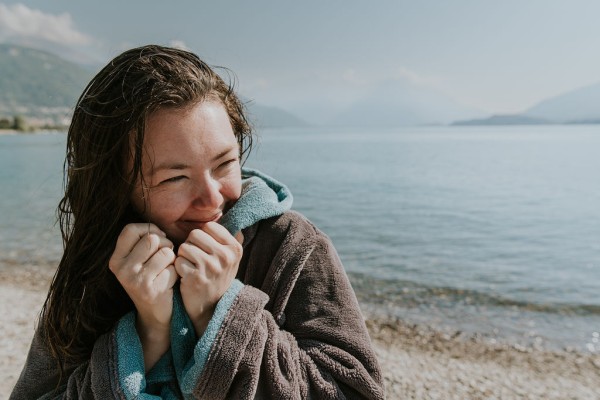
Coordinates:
column 179, row 44
column 353, row 77
column 20, row 23
column 415, row 77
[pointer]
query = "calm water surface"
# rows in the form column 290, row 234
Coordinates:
column 493, row 230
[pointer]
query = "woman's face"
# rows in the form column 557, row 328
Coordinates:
column 191, row 168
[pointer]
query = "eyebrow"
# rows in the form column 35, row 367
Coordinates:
column 181, row 166
column 160, row 167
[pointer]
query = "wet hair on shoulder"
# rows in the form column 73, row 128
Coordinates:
column 103, row 160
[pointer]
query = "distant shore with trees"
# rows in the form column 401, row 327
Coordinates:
column 20, row 124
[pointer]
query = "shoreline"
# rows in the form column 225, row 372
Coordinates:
column 417, row 362
column 33, row 131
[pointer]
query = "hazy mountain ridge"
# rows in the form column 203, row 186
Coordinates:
column 579, row 106
column 400, row 102
column 44, row 88
column 38, row 84
column 262, row 116
column 515, row 119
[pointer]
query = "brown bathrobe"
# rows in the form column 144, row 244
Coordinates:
column 294, row 331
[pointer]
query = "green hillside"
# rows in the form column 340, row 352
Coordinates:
column 31, row 80
column 44, row 88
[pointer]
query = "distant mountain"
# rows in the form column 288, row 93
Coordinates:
column 580, row 106
column 272, row 117
column 34, row 80
column 265, row 116
column 504, row 120
column 577, row 106
column 44, row 88
column 400, row 102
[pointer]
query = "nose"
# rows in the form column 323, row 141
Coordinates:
column 207, row 194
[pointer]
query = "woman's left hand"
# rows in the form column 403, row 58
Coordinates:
column 207, row 263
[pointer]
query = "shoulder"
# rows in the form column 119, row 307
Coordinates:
column 294, row 226
column 288, row 254
column 292, row 218
column 289, row 237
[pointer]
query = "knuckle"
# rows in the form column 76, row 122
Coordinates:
column 238, row 249
column 182, row 266
column 232, row 255
column 166, row 242
column 112, row 263
column 177, row 262
column 228, row 258
column 115, row 264
column 167, row 253
column 210, row 226
column 152, row 241
column 184, row 248
column 195, row 234
column 128, row 230
column 215, row 265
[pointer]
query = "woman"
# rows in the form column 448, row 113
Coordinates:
column 184, row 275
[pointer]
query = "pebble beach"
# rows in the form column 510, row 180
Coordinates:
column 417, row 362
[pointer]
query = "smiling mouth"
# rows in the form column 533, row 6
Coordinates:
column 198, row 224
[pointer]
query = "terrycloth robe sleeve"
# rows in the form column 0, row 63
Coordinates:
column 298, row 333
column 115, row 370
column 40, row 374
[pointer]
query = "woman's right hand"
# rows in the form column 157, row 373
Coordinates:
column 143, row 263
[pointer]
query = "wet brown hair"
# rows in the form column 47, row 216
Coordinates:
column 85, row 299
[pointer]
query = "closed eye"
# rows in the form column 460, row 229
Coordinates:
column 173, row 179
column 228, row 162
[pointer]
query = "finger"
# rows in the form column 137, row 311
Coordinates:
column 158, row 262
column 167, row 277
column 194, row 253
column 233, row 247
column 130, row 236
column 146, row 247
column 219, row 233
column 184, row 267
column 203, row 240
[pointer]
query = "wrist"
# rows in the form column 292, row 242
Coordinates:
column 152, row 331
column 155, row 340
column 201, row 322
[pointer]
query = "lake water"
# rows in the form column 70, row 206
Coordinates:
column 487, row 230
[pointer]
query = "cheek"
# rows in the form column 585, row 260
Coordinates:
column 159, row 207
column 166, row 208
column 233, row 188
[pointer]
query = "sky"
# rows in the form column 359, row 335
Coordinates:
column 500, row 57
